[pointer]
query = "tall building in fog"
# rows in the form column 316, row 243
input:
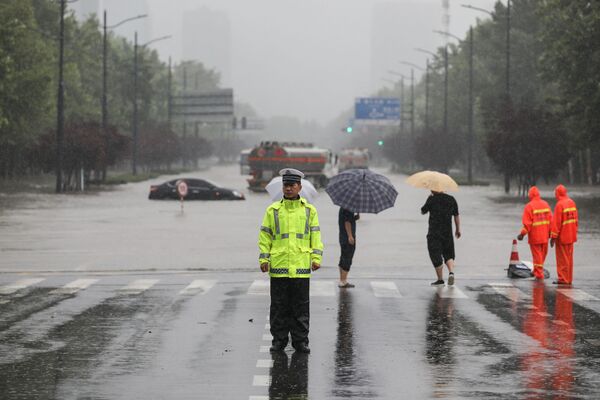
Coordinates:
column 397, row 28
column 117, row 11
column 207, row 38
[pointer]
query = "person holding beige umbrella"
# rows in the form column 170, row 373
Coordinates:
column 441, row 208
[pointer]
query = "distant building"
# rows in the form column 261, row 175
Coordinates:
column 397, row 28
column 207, row 38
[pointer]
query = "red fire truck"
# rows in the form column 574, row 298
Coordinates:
column 268, row 158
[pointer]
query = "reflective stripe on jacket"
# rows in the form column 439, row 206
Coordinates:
column 290, row 239
column 536, row 218
column 566, row 219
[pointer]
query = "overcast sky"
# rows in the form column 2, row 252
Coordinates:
column 302, row 58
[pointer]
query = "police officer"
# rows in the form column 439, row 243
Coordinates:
column 290, row 246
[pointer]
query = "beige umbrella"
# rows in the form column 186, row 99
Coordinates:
column 432, row 180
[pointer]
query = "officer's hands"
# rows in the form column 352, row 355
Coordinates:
column 552, row 241
column 264, row 267
column 315, row 266
column 457, row 234
column 520, row 237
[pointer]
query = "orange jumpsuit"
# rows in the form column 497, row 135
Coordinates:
column 564, row 230
column 536, row 225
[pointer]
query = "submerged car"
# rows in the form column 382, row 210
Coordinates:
column 197, row 189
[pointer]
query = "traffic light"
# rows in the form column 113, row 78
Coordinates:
column 380, row 143
column 234, row 123
column 244, row 123
column 349, row 129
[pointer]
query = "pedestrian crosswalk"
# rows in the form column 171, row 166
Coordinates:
column 261, row 287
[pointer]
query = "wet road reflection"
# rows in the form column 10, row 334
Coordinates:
column 549, row 369
column 350, row 379
column 289, row 381
column 440, row 338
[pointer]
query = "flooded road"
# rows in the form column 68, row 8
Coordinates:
column 113, row 296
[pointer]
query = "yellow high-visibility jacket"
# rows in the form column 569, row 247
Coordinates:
column 290, row 239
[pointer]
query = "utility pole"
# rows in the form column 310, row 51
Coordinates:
column 104, row 97
column 169, row 95
column 412, row 103
column 470, row 137
column 427, row 96
column 60, row 103
column 135, row 105
column 402, row 105
column 508, row 50
column 446, row 91
column 184, row 155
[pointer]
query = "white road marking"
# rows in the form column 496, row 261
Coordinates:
column 261, row 380
column 267, row 326
column 267, row 336
column 22, row 284
column 577, row 294
column 509, row 291
column 264, row 349
column 138, row 286
column 322, row 289
column 258, row 398
column 75, row 286
column 260, row 287
column 264, row 364
column 385, row 289
column 198, row 286
column 451, row 292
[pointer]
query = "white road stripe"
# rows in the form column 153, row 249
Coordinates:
column 322, row 289
column 509, row 291
column 258, row 398
column 385, row 289
column 75, row 286
column 22, row 284
column 451, row 292
column 261, row 380
column 267, row 336
column 264, row 364
column 260, row 287
column 577, row 294
column 138, row 286
column 198, row 286
column 264, row 349
column 267, row 326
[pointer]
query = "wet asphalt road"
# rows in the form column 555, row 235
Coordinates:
column 112, row 296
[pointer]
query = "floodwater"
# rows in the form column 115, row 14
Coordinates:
column 112, row 296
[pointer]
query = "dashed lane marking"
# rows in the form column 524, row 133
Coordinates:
column 261, row 380
column 19, row 285
column 139, row 286
column 260, row 287
column 577, row 294
column 322, row 289
column 509, row 291
column 267, row 336
column 75, row 286
column 198, row 286
column 264, row 364
column 451, row 292
column 385, row 289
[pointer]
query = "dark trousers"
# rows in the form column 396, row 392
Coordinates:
column 290, row 310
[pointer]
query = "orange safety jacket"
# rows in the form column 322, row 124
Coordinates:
column 536, row 218
column 566, row 219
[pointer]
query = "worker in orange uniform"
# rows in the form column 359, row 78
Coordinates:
column 536, row 225
column 564, row 234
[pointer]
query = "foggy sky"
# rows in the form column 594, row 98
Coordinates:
column 303, row 58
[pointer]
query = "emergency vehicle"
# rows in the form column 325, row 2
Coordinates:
column 268, row 158
column 353, row 158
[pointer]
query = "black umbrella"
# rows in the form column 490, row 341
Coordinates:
column 362, row 191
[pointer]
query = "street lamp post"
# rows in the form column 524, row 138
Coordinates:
column 135, row 100
column 445, row 84
column 60, row 103
column 105, row 29
column 402, row 77
column 412, row 92
column 507, row 89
